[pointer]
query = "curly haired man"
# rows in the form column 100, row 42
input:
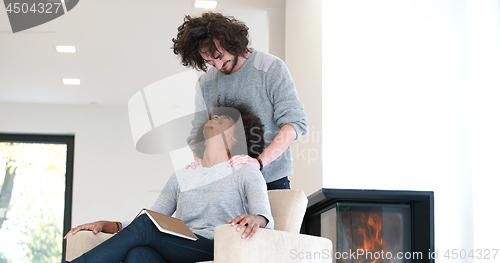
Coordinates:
column 257, row 79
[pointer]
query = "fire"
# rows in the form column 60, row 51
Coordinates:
column 372, row 236
column 369, row 233
column 363, row 230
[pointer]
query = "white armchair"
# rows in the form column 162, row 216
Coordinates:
column 283, row 244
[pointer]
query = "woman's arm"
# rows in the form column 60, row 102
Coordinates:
column 96, row 227
column 166, row 203
column 253, row 222
column 255, row 190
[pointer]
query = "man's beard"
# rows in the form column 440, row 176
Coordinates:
column 228, row 70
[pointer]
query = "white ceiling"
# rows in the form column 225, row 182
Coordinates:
column 123, row 46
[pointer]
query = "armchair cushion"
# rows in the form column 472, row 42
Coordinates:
column 288, row 208
column 269, row 246
column 82, row 242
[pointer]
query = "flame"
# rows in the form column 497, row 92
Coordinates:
column 363, row 230
column 370, row 234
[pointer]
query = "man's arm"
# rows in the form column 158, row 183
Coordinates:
column 283, row 139
column 288, row 112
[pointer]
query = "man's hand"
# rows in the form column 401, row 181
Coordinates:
column 242, row 159
column 96, row 227
column 253, row 222
column 193, row 165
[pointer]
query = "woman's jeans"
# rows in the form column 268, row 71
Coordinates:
column 141, row 241
column 282, row 183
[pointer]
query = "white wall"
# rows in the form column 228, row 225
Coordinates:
column 396, row 106
column 112, row 180
column 483, row 24
column 256, row 21
column 303, row 59
column 276, row 25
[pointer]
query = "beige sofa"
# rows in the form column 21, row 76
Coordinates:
column 284, row 244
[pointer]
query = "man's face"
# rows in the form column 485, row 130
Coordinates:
column 221, row 60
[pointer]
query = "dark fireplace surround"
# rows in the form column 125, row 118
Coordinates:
column 421, row 213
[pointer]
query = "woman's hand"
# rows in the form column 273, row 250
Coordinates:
column 193, row 165
column 253, row 222
column 96, row 227
column 242, row 159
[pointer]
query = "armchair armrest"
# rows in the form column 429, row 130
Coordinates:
column 82, row 242
column 269, row 246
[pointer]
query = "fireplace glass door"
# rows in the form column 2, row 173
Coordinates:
column 373, row 233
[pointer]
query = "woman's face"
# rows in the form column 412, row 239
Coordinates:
column 218, row 124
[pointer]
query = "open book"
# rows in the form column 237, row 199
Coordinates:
column 169, row 225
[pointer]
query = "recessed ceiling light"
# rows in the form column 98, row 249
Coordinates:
column 66, row 49
column 71, row 81
column 205, row 4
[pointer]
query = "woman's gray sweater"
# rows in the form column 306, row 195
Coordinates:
column 207, row 197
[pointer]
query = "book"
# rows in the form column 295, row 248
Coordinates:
column 169, row 225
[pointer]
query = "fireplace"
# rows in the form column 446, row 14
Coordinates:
column 373, row 226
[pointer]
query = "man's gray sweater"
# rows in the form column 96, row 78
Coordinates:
column 264, row 84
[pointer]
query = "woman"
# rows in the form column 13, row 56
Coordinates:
column 212, row 194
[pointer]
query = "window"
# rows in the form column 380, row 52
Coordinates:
column 36, row 173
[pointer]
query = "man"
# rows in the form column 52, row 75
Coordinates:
column 254, row 78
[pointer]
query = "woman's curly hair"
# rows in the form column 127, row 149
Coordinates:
column 253, row 131
column 198, row 32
